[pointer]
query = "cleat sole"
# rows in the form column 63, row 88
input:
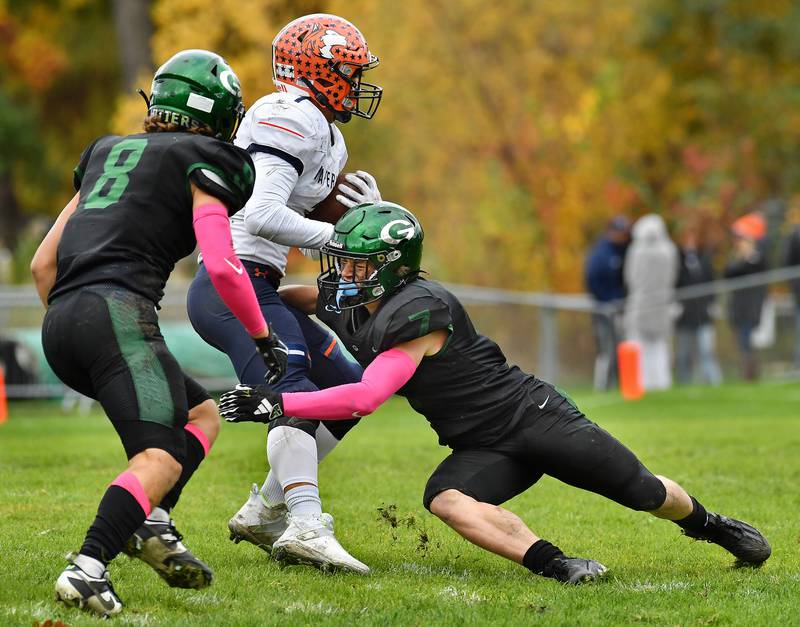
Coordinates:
column 284, row 559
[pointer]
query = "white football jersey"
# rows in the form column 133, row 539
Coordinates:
column 298, row 156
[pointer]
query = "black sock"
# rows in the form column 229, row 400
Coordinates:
column 118, row 516
column 195, row 453
column 538, row 558
column 696, row 521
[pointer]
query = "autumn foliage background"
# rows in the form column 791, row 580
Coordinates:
column 514, row 129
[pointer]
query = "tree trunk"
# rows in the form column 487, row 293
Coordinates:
column 134, row 30
column 11, row 220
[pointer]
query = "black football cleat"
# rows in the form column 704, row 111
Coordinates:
column 575, row 570
column 744, row 542
column 159, row 545
column 76, row 588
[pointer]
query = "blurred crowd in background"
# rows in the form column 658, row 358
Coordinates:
column 635, row 271
column 514, row 130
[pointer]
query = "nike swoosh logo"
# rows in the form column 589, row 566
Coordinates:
column 545, row 402
column 107, row 603
column 237, row 270
column 355, row 414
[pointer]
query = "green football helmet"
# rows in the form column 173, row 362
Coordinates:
column 384, row 234
column 198, row 86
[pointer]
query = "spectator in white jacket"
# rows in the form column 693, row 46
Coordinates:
column 650, row 272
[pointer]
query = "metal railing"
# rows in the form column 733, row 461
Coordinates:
column 536, row 342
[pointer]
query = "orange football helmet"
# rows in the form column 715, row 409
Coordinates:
column 324, row 56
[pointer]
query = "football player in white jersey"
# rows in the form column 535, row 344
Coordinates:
column 318, row 62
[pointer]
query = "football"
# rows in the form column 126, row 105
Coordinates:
column 329, row 209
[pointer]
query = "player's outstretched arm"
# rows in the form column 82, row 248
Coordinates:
column 45, row 261
column 213, row 232
column 390, row 371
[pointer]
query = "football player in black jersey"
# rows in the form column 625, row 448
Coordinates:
column 506, row 428
column 143, row 202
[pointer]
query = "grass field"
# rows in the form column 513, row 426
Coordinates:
column 735, row 448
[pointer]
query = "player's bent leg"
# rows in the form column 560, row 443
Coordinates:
column 262, row 519
column 157, row 542
column 309, row 538
column 465, row 491
column 292, row 453
column 504, row 533
column 490, row 527
column 84, row 583
column 743, row 541
column 588, row 457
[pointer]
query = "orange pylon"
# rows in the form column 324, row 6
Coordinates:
column 629, row 359
column 3, row 397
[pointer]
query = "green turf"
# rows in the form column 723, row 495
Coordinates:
column 735, row 448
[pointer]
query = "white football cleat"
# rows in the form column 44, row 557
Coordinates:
column 258, row 523
column 76, row 588
column 309, row 540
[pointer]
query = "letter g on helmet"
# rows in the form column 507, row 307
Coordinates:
column 385, row 234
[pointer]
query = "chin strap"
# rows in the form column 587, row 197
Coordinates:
column 140, row 91
column 339, row 116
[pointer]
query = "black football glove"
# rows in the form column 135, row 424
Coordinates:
column 259, row 403
column 275, row 355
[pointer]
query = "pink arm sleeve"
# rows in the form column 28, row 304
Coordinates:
column 383, row 377
column 213, row 232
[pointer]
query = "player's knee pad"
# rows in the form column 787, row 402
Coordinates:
column 643, row 492
column 304, row 424
column 292, row 455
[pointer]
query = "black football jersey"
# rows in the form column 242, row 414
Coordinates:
column 468, row 392
column 134, row 218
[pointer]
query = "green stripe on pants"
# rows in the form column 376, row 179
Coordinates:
column 149, row 380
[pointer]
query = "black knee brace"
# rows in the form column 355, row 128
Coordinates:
column 304, row 424
column 339, row 428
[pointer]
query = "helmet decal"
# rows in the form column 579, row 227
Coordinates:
column 407, row 232
column 201, row 103
column 230, row 82
column 319, row 43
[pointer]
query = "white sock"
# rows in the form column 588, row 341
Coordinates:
column 292, row 455
column 272, row 490
column 304, row 501
column 158, row 514
column 89, row 565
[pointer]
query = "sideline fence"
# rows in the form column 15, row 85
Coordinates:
column 545, row 333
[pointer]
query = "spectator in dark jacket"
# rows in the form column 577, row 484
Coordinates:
column 695, row 335
column 603, row 276
column 791, row 257
column 744, row 313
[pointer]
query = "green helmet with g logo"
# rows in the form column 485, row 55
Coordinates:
column 388, row 236
column 198, row 86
